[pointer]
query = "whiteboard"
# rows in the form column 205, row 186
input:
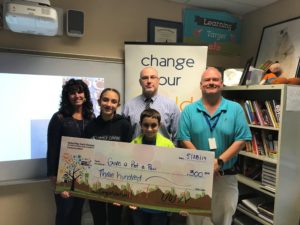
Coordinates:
column 39, row 65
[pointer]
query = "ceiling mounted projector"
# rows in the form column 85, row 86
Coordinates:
column 31, row 17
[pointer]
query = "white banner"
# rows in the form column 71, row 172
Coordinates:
column 179, row 66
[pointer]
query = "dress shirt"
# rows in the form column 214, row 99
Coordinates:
column 167, row 108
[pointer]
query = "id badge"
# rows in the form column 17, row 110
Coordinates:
column 212, row 143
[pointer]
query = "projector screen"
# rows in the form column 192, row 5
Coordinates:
column 31, row 106
column 29, row 98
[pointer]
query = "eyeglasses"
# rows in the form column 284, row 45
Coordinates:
column 147, row 125
column 145, row 78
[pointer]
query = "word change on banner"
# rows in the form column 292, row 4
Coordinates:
column 167, row 179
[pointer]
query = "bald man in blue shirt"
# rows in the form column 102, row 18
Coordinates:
column 214, row 123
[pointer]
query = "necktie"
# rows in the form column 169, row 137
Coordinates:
column 148, row 101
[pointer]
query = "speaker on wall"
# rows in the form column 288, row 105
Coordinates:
column 75, row 23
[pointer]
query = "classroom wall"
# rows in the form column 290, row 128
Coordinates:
column 107, row 25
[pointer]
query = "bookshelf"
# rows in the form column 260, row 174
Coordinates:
column 286, row 135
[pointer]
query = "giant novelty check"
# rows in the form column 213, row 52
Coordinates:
column 167, row 179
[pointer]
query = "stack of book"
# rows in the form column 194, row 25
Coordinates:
column 259, row 206
column 268, row 176
column 263, row 143
column 266, row 211
column 242, row 219
column 265, row 113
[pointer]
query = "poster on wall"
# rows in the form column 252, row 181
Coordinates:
column 179, row 66
column 281, row 42
column 220, row 31
column 140, row 175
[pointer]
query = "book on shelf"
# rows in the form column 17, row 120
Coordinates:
column 269, row 166
column 248, row 146
column 268, row 177
column 266, row 117
column 266, row 218
column 268, row 183
column 265, row 142
column 275, row 149
column 268, row 188
column 273, row 146
column 269, row 172
column 257, row 143
column 254, row 144
column 271, row 114
column 242, row 219
column 255, row 116
column 252, row 205
column 257, row 108
column 250, row 112
column 242, row 103
column 276, row 109
column 266, row 209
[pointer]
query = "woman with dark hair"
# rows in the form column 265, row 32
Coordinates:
column 75, row 112
column 108, row 126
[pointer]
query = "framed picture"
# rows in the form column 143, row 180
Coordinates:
column 164, row 31
column 280, row 42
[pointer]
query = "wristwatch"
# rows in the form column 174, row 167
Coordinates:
column 220, row 163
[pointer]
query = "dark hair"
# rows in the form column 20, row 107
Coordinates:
column 150, row 113
column 110, row 89
column 71, row 86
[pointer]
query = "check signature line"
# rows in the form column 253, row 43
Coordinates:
column 166, row 180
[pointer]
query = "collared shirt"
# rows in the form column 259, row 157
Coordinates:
column 231, row 126
column 168, row 110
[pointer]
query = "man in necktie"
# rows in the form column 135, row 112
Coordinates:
column 169, row 111
column 148, row 101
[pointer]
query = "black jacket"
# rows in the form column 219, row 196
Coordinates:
column 116, row 129
column 59, row 126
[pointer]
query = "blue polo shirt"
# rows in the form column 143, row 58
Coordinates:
column 227, row 125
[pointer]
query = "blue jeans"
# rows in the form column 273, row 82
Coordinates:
column 141, row 217
column 68, row 210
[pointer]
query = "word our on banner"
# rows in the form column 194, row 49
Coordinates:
column 168, row 179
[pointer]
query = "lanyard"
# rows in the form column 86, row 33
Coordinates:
column 212, row 125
